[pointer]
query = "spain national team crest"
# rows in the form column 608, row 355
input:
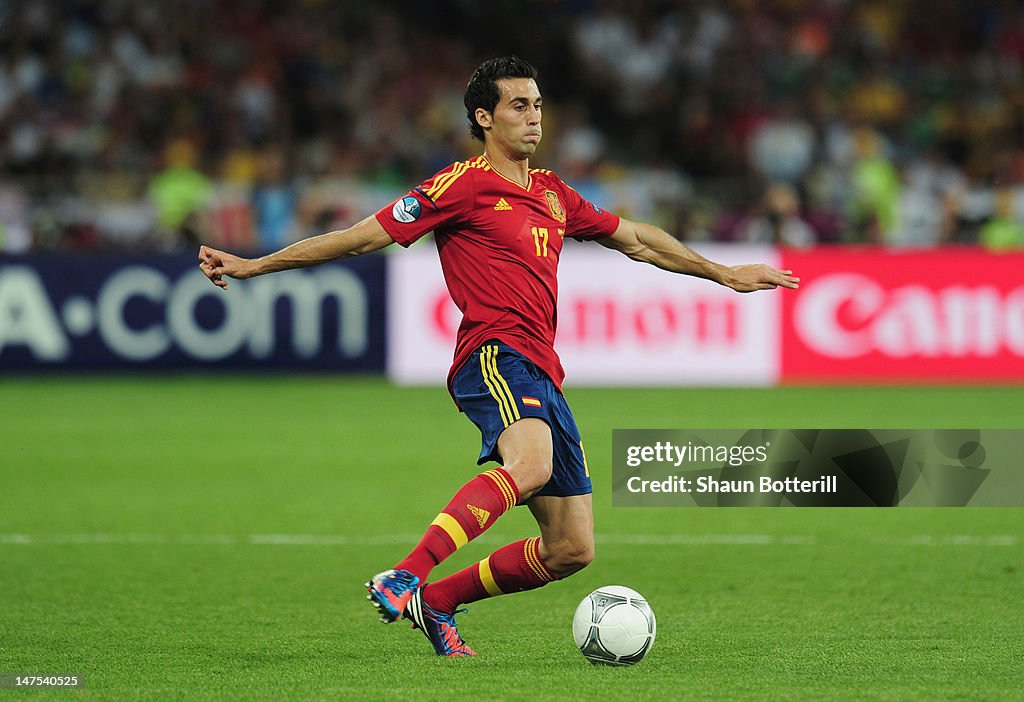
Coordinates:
column 555, row 206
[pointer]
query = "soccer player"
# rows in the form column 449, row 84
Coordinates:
column 499, row 227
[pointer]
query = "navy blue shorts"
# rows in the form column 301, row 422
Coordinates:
column 496, row 387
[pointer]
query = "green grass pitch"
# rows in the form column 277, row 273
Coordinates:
column 207, row 538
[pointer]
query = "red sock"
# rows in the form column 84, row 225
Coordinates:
column 471, row 512
column 513, row 568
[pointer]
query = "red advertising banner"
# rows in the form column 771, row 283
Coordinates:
column 949, row 315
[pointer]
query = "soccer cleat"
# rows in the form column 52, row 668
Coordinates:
column 438, row 627
column 390, row 592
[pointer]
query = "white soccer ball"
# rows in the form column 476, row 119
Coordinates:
column 614, row 625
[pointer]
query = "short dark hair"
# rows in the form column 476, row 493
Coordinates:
column 482, row 90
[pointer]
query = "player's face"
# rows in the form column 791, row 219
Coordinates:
column 515, row 122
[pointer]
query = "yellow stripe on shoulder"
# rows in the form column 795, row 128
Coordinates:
column 444, row 181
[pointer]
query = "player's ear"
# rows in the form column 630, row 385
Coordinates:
column 483, row 117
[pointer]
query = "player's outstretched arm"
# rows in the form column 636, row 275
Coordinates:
column 361, row 238
column 649, row 244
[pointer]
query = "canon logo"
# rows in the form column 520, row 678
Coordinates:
column 848, row 315
column 653, row 321
column 29, row 319
column 657, row 320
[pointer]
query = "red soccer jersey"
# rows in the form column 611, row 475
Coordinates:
column 499, row 245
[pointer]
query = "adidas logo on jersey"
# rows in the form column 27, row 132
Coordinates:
column 502, row 206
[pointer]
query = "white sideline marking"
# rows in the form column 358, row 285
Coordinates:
column 383, row 540
column 963, row 540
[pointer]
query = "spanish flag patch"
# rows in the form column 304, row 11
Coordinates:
column 530, row 401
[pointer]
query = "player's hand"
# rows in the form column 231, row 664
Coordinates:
column 216, row 264
column 759, row 276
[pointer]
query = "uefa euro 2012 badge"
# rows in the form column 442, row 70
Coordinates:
column 406, row 210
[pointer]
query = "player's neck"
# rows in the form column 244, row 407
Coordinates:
column 516, row 170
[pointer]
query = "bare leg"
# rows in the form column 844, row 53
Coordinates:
column 525, row 448
column 566, row 523
column 567, row 532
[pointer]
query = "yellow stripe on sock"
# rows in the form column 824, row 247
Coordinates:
column 506, row 489
column 487, row 578
column 452, row 528
column 534, row 561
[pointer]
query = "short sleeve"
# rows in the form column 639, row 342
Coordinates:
column 586, row 220
column 437, row 202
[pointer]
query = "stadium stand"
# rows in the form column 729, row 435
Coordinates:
column 146, row 126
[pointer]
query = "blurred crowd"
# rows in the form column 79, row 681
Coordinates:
column 149, row 126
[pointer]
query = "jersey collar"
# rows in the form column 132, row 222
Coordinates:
column 529, row 177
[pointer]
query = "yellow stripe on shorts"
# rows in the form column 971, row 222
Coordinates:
column 497, row 386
